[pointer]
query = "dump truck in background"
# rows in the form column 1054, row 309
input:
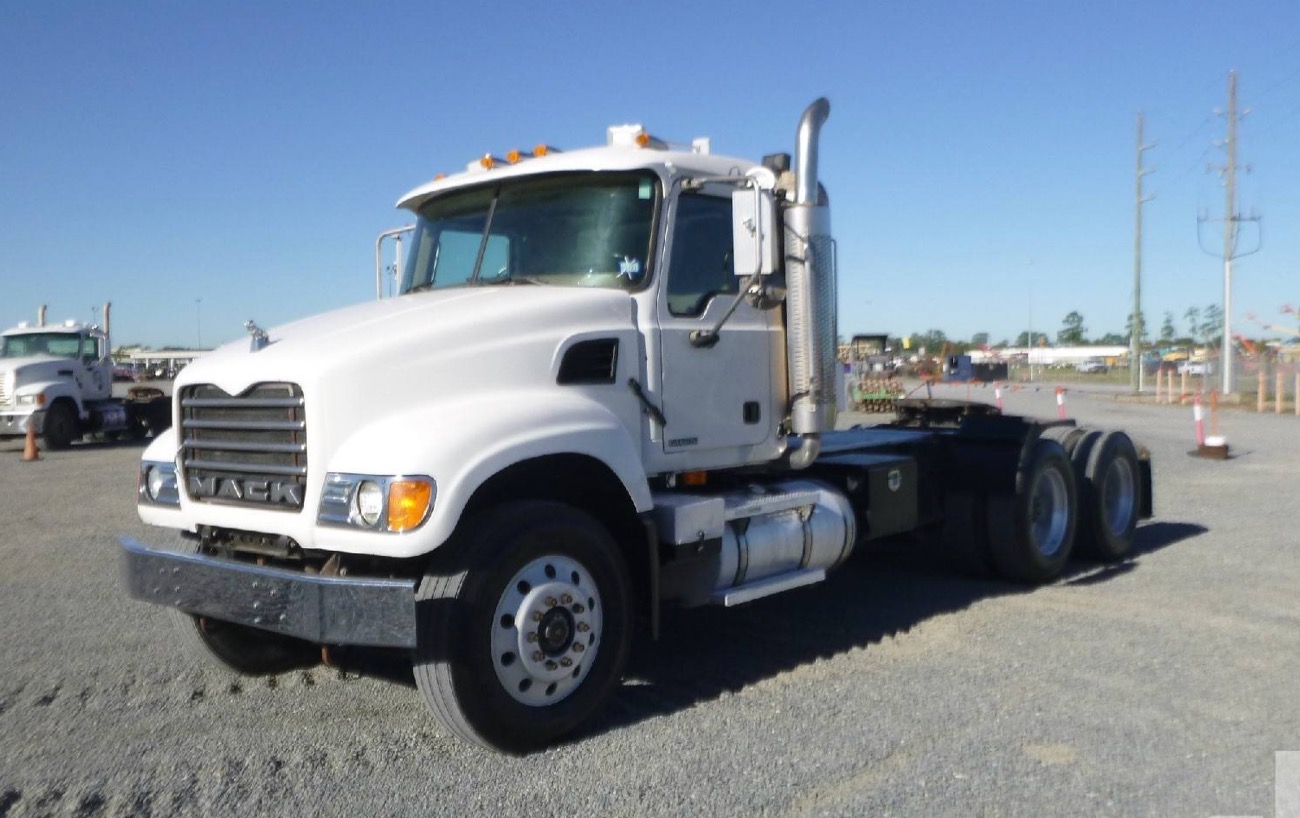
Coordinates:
column 607, row 385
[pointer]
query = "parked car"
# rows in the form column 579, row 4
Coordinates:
column 1195, row 368
column 1092, row 365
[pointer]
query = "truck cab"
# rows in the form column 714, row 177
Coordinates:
column 51, row 377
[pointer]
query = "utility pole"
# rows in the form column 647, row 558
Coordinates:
column 1229, row 231
column 1135, row 340
column 1231, row 225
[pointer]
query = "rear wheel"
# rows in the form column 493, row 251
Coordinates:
column 1109, row 501
column 1031, row 532
column 523, row 628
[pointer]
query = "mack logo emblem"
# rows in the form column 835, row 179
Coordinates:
column 895, row 479
column 273, row 492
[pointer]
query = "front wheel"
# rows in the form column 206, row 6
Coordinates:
column 523, row 628
column 235, row 648
column 60, row 426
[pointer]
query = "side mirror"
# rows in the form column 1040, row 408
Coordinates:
column 752, row 228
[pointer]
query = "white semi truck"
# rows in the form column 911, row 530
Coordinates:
column 607, row 385
column 57, row 380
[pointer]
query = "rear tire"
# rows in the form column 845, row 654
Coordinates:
column 523, row 627
column 1031, row 532
column 1109, row 498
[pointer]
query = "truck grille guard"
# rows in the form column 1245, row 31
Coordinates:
column 248, row 449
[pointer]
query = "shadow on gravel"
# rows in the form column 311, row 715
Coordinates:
column 705, row 653
column 708, row 652
column 15, row 445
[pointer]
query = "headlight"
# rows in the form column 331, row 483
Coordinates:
column 33, row 399
column 369, row 502
column 158, row 484
column 376, row 503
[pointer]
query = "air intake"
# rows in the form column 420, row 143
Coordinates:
column 589, row 362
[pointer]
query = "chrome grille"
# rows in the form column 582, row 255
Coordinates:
column 5, row 388
column 246, row 449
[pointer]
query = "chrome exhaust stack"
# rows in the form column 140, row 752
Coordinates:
column 811, row 331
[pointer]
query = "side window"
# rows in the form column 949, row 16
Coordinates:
column 701, row 263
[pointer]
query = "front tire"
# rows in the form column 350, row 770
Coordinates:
column 60, row 426
column 523, row 627
column 235, row 648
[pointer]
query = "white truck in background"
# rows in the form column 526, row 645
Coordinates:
column 58, row 380
column 607, row 385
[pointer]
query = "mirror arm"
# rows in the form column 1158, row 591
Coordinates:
column 706, row 338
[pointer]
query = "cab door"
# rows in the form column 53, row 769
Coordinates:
column 93, row 370
column 717, row 398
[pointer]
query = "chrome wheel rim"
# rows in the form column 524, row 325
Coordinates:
column 546, row 630
column 1118, row 497
column 1049, row 512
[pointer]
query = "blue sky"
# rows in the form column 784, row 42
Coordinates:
column 200, row 164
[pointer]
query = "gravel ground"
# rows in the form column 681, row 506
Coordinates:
column 1162, row 686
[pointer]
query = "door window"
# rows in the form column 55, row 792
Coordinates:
column 701, row 263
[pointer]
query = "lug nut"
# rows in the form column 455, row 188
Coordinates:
column 566, row 599
column 566, row 662
column 579, row 609
column 551, row 665
column 550, row 602
column 537, row 616
column 532, row 637
column 583, row 627
column 538, row 656
column 578, row 647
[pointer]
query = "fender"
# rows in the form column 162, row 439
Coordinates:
column 461, row 444
column 55, row 390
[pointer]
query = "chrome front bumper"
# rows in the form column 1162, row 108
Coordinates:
column 15, row 424
column 325, row 610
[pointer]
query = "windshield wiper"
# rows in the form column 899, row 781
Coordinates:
column 509, row 279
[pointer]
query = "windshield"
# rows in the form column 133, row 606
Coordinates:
column 577, row 230
column 58, row 344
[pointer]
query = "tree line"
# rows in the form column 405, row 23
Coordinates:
column 1198, row 327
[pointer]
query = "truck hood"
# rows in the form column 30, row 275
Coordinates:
column 411, row 329
column 358, row 363
column 36, row 369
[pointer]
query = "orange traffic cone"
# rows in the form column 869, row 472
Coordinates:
column 30, row 451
